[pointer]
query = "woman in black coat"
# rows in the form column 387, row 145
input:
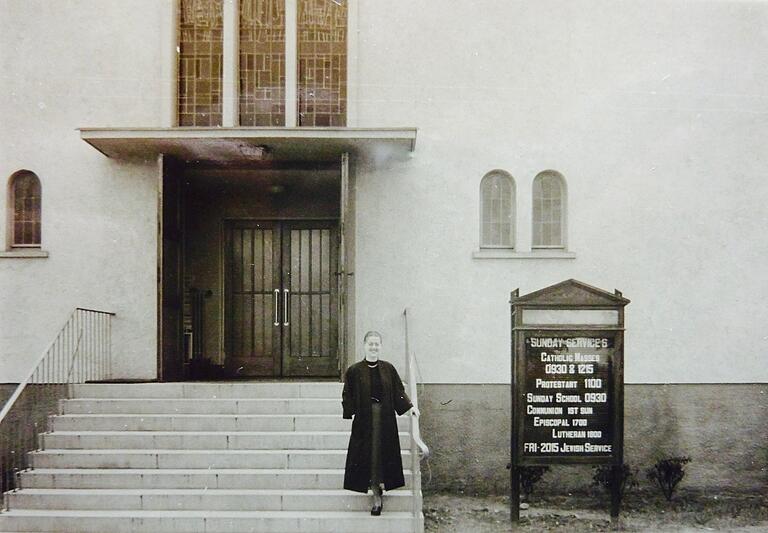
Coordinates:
column 373, row 393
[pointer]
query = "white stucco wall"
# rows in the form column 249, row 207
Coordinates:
column 64, row 65
column 655, row 113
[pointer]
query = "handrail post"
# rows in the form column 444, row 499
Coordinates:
column 417, row 445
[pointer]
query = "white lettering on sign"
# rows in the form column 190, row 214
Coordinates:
column 531, row 410
column 552, row 368
column 573, row 342
column 538, row 398
column 593, row 383
column 567, row 394
column 550, row 422
column 567, row 398
column 595, row 397
column 568, row 434
column 569, row 357
column 555, row 384
column 562, row 447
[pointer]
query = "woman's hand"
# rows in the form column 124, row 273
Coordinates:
column 415, row 411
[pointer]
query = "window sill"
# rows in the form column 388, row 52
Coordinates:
column 22, row 253
column 491, row 253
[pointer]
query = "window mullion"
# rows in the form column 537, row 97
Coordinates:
column 500, row 214
column 291, row 55
column 230, row 74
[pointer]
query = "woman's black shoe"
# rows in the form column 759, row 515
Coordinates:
column 378, row 502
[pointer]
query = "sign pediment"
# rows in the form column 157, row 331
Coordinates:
column 569, row 293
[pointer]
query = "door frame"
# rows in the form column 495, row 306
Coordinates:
column 170, row 365
column 226, row 223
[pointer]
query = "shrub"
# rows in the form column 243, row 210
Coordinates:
column 667, row 473
column 529, row 476
column 603, row 474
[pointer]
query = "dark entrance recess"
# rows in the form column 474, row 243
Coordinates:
column 253, row 277
column 281, row 298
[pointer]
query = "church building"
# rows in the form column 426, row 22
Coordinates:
column 249, row 186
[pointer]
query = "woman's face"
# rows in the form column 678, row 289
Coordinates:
column 372, row 346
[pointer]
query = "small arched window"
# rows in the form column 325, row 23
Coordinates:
column 24, row 208
column 497, row 210
column 549, row 210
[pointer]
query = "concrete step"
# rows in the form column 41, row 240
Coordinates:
column 298, row 406
column 214, row 457
column 202, row 440
column 208, row 521
column 203, row 499
column 259, row 389
column 119, row 458
column 227, row 478
column 192, row 422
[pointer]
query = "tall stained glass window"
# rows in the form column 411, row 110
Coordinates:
column 548, row 210
column 497, row 210
column 200, row 62
column 25, row 202
column 262, row 62
column 322, row 62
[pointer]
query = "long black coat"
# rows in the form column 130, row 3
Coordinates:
column 356, row 400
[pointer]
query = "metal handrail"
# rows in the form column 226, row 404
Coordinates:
column 80, row 352
column 419, row 449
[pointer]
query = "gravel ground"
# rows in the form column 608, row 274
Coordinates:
column 642, row 512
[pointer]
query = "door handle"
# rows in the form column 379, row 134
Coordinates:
column 285, row 307
column 277, row 305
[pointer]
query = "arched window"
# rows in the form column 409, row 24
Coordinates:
column 549, row 210
column 497, row 210
column 24, row 209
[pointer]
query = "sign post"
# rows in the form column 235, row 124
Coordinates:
column 567, row 381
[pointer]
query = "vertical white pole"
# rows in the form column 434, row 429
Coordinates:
column 159, row 238
column 169, row 65
column 291, row 70
column 230, row 82
column 344, row 208
column 352, row 54
column 523, row 224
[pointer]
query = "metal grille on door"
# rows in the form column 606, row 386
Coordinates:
column 282, row 298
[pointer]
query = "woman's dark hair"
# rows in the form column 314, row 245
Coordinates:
column 372, row 333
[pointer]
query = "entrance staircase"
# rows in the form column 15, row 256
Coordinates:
column 202, row 457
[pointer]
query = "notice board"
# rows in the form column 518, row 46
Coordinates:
column 567, row 380
column 567, row 408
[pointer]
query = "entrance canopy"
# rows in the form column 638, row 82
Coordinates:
column 237, row 146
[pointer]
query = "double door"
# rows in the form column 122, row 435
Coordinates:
column 282, row 298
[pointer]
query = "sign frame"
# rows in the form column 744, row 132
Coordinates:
column 567, row 299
